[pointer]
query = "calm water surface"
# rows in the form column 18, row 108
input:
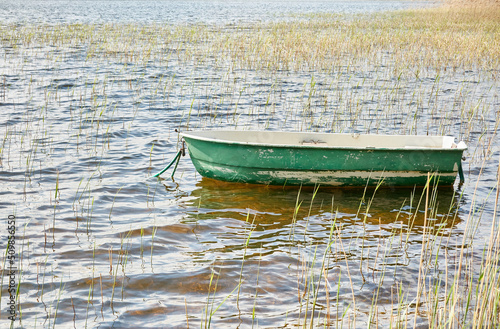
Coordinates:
column 100, row 243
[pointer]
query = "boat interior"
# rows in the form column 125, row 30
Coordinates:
column 327, row 140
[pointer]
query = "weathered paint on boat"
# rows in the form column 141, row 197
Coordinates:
column 284, row 158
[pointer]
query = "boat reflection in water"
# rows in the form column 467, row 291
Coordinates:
column 273, row 240
column 278, row 206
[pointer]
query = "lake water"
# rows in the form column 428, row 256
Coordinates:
column 101, row 243
column 175, row 11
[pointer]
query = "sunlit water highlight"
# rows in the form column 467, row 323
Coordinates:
column 101, row 243
column 181, row 11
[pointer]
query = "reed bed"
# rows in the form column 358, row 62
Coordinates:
column 90, row 107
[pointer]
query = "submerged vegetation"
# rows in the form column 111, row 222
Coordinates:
column 88, row 108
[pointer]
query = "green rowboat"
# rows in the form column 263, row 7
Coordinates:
column 298, row 158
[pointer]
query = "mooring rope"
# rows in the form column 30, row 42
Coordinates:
column 461, row 172
column 176, row 159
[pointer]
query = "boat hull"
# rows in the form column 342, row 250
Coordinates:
column 259, row 163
